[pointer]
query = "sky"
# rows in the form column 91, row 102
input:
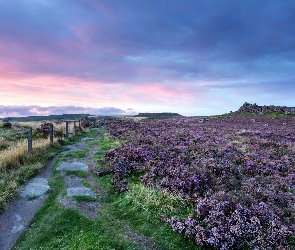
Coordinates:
column 193, row 57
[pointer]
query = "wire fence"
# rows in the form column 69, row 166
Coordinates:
column 49, row 128
column 45, row 130
column 32, row 133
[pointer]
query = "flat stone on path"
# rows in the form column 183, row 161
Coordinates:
column 36, row 187
column 80, row 191
column 73, row 181
column 88, row 139
column 71, row 148
column 72, row 166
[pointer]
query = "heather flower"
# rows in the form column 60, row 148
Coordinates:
column 239, row 175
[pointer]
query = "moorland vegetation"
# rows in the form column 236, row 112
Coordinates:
column 236, row 173
column 222, row 182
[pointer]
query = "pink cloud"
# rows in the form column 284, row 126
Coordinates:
column 7, row 67
column 163, row 92
column 52, row 91
column 29, row 110
column 83, row 33
column 104, row 9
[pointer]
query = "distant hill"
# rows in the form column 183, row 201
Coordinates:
column 46, row 118
column 164, row 114
column 254, row 108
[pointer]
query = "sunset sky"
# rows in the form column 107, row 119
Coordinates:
column 194, row 57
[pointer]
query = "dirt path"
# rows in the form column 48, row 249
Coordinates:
column 20, row 211
column 75, row 185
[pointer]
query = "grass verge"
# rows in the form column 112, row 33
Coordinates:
column 141, row 208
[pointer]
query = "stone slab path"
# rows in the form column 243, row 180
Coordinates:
column 74, row 183
column 36, row 187
column 72, row 166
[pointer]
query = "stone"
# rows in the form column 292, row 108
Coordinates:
column 36, row 187
column 254, row 108
column 80, row 191
column 72, row 166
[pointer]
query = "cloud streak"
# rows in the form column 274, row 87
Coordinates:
column 136, row 53
column 35, row 110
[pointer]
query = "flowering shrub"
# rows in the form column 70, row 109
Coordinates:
column 225, row 224
column 239, row 173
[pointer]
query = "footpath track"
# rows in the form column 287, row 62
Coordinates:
column 20, row 211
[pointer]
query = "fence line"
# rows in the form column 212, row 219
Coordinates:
column 51, row 134
column 30, row 140
column 77, row 127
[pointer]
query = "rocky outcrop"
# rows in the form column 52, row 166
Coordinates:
column 254, row 108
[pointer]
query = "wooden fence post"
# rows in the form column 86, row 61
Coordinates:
column 30, row 140
column 75, row 128
column 51, row 133
column 67, row 130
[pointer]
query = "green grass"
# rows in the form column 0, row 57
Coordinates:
column 77, row 154
column 141, row 208
column 138, row 209
column 273, row 114
column 84, row 198
column 88, row 185
column 3, row 145
column 278, row 115
column 106, row 144
column 79, row 173
column 54, row 227
column 151, row 202
column 12, row 135
column 67, row 229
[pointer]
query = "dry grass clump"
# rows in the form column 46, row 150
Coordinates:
column 137, row 119
column 3, row 144
column 17, row 166
column 33, row 125
column 60, row 126
column 15, row 155
column 11, row 157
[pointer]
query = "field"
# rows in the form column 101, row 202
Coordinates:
column 236, row 176
column 219, row 183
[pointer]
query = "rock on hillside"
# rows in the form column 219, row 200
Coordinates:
column 254, row 108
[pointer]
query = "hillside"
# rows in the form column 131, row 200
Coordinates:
column 46, row 118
